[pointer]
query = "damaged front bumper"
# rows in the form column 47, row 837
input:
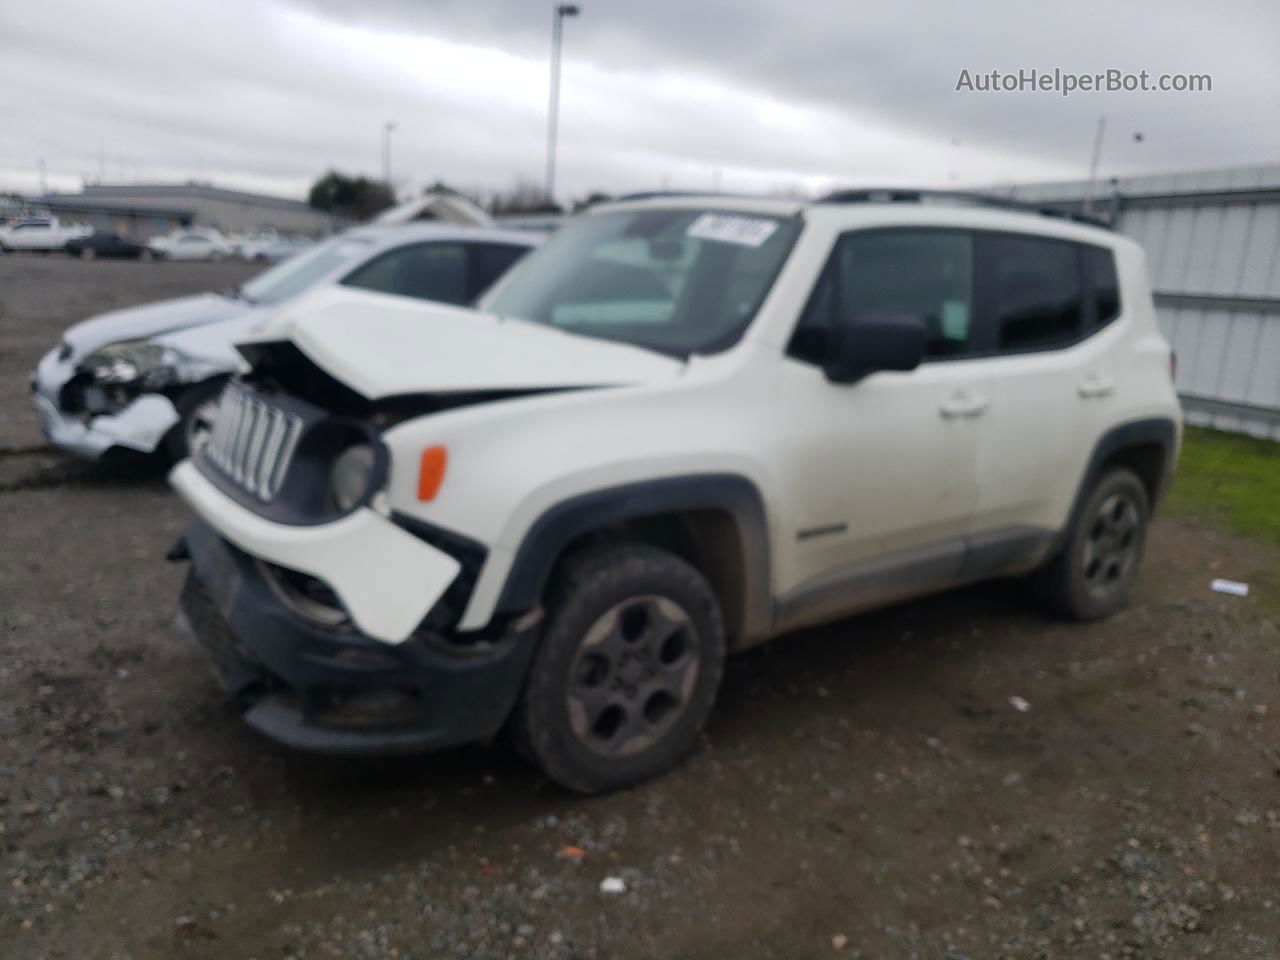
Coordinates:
column 140, row 426
column 333, row 689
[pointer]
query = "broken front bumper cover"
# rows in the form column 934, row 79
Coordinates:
column 338, row 691
column 141, row 426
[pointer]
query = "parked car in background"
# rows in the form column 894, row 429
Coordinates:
column 146, row 378
column 108, row 245
column 271, row 249
column 42, row 236
column 191, row 245
column 682, row 427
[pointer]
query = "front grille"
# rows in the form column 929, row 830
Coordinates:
column 252, row 442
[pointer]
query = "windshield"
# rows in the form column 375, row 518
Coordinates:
column 680, row 281
column 305, row 270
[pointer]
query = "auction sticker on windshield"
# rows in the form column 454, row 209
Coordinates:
column 726, row 228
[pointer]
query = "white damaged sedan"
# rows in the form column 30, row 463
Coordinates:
column 147, row 378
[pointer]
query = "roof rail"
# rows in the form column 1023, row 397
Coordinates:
column 659, row 194
column 910, row 195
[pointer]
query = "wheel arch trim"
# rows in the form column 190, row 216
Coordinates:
column 1158, row 431
column 568, row 520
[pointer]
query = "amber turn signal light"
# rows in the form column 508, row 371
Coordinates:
column 431, row 472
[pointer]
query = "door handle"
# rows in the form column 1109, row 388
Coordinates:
column 964, row 404
column 1096, row 385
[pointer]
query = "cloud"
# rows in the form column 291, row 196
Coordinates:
column 746, row 94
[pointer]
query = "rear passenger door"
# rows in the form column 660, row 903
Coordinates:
column 1043, row 368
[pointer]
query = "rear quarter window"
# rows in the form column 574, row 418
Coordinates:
column 1104, row 282
column 1035, row 290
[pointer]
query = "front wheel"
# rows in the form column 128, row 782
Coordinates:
column 1093, row 574
column 627, row 670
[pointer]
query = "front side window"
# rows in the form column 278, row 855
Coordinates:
column 924, row 273
column 679, row 281
column 427, row 271
column 1035, row 290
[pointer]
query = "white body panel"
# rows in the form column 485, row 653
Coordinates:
column 387, row 579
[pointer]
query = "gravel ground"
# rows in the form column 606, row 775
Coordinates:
column 870, row 789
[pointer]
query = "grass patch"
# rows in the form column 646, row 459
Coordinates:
column 1230, row 478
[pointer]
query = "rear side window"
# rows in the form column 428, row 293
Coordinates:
column 1035, row 291
column 428, row 271
column 1100, row 263
column 922, row 272
column 489, row 261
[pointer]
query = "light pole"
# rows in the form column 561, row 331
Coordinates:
column 1093, row 164
column 560, row 11
column 386, row 152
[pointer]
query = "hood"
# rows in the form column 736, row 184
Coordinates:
column 152, row 319
column 214, row 343
column 384, row 346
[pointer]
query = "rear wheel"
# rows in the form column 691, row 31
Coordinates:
column 627, row 670
column 1093, row 574
column 88, row 253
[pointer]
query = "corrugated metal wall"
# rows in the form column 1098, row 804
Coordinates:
column 1213, row 249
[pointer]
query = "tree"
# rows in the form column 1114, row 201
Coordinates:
column 524, row 196
column 590, row 200
column 355, row 198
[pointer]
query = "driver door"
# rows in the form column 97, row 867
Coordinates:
column 882, row 472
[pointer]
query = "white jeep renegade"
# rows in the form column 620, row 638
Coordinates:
column 683, row 426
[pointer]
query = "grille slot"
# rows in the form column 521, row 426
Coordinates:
column 252, row 442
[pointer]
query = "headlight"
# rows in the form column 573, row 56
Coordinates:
column 351, row 475
column 150, row 366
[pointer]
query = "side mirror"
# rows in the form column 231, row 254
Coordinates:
column 866, row 343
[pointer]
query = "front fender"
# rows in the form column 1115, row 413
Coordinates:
column 514, row 579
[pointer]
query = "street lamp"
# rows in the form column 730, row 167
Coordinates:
column 560, row 11
column 386, row 152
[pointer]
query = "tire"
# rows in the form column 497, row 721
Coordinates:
column 146, row 256
column 196, row 405
column 627, row 670
column 88, row 253
column 1092, row 575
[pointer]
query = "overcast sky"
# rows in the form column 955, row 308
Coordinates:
column 747, row 94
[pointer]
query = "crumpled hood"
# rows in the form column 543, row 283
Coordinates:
column 383, row 346
column 148, row 320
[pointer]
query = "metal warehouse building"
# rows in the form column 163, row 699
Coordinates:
column 141, row 210
column 1213, row 251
